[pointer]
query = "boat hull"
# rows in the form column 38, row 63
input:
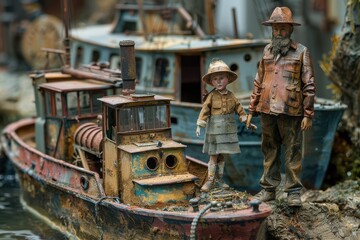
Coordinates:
column 54, row 190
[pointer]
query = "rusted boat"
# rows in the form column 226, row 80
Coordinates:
column 172, row 64
column 118, row 175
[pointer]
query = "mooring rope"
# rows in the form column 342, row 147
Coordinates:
column 195, row 222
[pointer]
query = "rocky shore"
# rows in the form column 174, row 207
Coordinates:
column 333, row 214
column 16, row 95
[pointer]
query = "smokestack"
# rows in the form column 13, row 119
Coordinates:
column 128, row 67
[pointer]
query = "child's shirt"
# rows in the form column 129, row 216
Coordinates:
column 217, row 103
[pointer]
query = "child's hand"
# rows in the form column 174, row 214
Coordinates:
column 198, row 131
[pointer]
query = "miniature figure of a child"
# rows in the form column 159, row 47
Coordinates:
column 217, row 115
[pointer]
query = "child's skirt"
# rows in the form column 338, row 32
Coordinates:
column 221, row 135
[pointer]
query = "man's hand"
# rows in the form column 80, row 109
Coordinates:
column 198, row 131
column 249, row 125
column 306, row 124
column 248, row 121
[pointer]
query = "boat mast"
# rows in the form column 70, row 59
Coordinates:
column 66, row 20
column 142, row 18
column 190, row 23
column 209, row 10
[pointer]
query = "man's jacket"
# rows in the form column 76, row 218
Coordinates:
column 285, row 85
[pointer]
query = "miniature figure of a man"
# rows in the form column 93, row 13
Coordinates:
column 217, row 115
column 283, row 94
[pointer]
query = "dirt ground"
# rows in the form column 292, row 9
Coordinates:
column 330, row 215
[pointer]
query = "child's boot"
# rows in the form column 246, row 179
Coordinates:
column 211, row 175
column 208, row 184
column 221, row 165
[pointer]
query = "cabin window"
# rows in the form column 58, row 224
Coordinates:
column 115, row 61
column 95, row 56
column 85, row 101
column 142, row 118
column 85, row 104
column 138, row 62
column 58, row 104
column 124, row 120
column 96, row 104
column 129, row 26
column 155, row 117
column 53, row 104
column 111, row 124
column 79, row 57
column 161, row 72
column 48, row 103
column 72, row 103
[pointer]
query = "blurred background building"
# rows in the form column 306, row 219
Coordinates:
column 320, row 20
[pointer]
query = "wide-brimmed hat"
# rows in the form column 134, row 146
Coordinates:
column 281, row 15
column 218, row 66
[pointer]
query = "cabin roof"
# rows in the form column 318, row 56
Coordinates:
column 134, row 98
column 136, row 148
column 75, row 85
column 101, row 36
column 165, row 180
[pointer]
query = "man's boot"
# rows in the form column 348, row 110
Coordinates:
column 265, row 195
column 293, row 199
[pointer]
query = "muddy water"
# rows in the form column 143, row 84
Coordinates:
column 16, row 222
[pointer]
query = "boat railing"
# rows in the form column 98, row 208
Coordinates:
column 46, row 168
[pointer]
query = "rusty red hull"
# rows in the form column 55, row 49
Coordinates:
column 55, row 190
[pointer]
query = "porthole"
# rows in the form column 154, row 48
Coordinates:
column 171, row 161
column 152, row 163
column 247, row 57
column 84, row 183
column 234, row 67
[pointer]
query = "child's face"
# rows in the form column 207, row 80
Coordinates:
column 219, row 80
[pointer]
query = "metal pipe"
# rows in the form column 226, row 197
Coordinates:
column 236, row 33
column 66, row 25
column 210, row 16
column 128, row 66
column 142, row 17
column 82, row 74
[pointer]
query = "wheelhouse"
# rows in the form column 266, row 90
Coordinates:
column 142, row 164
column 66, row 105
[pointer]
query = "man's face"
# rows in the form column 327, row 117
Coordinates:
column 281, row 30
column 219, row 80
column 280, row 42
